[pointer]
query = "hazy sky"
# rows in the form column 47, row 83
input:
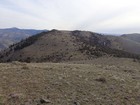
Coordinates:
column 107, row 16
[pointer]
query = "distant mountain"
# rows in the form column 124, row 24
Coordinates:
column 127, row 42
column 9, row 36
column 135, row 37
column 57, row 46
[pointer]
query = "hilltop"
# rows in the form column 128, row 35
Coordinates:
column 57, row 46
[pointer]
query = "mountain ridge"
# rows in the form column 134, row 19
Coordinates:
column 13, row 35
column 127, row 42
column 57, row 46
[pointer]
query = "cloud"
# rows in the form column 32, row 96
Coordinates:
column 94, row 15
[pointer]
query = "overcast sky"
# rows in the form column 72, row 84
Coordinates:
column 105, row 16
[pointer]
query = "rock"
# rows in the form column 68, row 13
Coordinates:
column 86, row 100
column 76, row 103
column 15, row 95
column 80, row 76
column 102, row 79
column 42, row 101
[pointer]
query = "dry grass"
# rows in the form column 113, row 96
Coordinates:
column 96, row 82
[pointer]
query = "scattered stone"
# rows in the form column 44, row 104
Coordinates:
column 80, row 76
column 42, row 101
column 86, row 100
column 76, row 103
column 15, row 96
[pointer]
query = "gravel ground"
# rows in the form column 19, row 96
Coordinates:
column 97, row 82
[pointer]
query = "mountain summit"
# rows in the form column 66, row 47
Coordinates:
column 56, row 46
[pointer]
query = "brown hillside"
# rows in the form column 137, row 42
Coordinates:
column 125, row 43
column 56, row 46
column 134, row 37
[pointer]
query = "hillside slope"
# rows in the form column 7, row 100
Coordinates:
column 9, row 36
column 125, row 43
column 56, row 46
column 135, row 37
